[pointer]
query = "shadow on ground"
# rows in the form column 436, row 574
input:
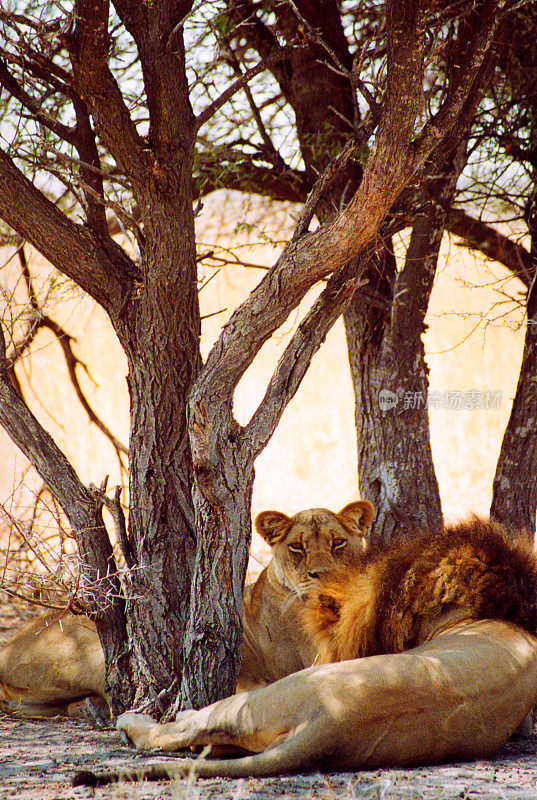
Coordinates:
column 39, row 757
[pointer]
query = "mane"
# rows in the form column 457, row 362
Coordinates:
column 387, row 600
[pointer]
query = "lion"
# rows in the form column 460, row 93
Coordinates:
column 57, row 659
column 389, row 599
column 304, row 547
column 440, row 633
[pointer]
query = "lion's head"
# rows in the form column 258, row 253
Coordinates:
column 394, row 597
column 313, row 542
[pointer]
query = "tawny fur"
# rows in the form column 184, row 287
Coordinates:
column 57, row 658
column 387, row 600
column 312, row 542
column 446, row 623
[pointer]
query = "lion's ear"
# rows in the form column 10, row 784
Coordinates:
column 358, row 516
column 271, row 525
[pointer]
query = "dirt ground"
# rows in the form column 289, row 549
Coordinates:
column 38, row 759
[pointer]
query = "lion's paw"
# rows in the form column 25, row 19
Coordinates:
column 137, row 727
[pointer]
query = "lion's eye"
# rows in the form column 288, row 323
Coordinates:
column 295, row 547
column 337, row 544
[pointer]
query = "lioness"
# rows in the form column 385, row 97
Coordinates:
column 304, row 547
column 464, row 601
column 56, row 660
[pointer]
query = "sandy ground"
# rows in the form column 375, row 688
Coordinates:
column 39, row 757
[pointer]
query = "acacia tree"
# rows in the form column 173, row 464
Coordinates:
column 176, row 621
column 385, row 321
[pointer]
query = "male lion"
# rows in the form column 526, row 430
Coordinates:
column 464, row 600
column 57, row 659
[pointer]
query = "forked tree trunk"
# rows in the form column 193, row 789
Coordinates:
column 224, row 453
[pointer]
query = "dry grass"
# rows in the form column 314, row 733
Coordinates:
column 38, row 559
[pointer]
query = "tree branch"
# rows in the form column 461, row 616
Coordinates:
column 309, row 258
column 297, row 356
column 270, row 152
column 239, row 84
column 116, row 510
column 157, row 29
column 478, row 235
column 90, row 171
column 312, row 256
column 107, row 274
column 41, row 320
column 212, row 174
column 33, row 105
column 466, row 80
column 414, row 283
column 260, row 38
column 88, row 47
column 41, row 450
column 336, row 166
column 72, row 361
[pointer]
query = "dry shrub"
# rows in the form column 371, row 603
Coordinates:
column 39, row 563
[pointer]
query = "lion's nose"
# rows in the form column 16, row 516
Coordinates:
column 315, row 573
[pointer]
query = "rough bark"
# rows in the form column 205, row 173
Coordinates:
column 224, row 456
column 395, row 466
column 73, row 250
column 159, row 328
column 514, row 488
column 386, row 353
column 163, row 357
column 384, row 329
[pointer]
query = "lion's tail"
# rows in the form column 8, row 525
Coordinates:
column 301, row 750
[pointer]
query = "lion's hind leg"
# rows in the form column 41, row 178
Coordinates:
column 301, row 749
column 460, row 695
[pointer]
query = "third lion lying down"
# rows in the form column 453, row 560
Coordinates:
column 440, row 631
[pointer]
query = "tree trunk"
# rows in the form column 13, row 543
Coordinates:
column 160, row 332
column 514, row 489
column 224, row 454
column 384, row 327
column 214, row 631
column 395, row 466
